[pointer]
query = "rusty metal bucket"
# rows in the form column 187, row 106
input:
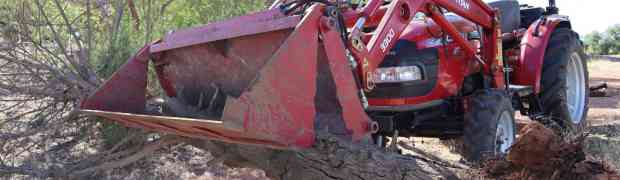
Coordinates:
column 262, row 79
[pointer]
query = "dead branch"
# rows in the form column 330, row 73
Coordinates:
column 145, row 151
column 39, row 90
column 83, row 66
column 162, row 10
column 331, row 158
column 134, row 14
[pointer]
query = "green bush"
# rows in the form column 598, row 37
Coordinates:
column 605, row 43
column 157, row 18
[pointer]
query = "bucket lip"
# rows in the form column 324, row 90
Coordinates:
column 207, row 129
column 261, row 22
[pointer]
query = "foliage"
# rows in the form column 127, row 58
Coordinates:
column 603, row 43
column 54, row 53
column 155, row 18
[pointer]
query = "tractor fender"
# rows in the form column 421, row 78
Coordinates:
column 528, row 69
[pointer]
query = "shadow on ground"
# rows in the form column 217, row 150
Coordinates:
column 604, row 143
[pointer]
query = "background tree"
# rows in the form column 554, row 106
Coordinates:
column 592, row 42
column 54, row 53
column 605, row 43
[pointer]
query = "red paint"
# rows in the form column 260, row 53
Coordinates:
column 454, row 33
column 164, row 81
column 452, row 70
column 202, row 129
column 267, row 21
column 452, row 67
column 125, row 90
column 478, row 11
column 351, row 16
column 491, row 55
column 393, row 21
column 352, row 110
column 528, row 70
column 371, row 8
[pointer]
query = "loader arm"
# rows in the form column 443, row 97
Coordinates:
column 393, row 19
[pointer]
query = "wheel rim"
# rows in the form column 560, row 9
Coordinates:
column 575, row 88
column 504, row 137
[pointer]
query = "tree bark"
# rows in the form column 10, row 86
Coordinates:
column 332, row 158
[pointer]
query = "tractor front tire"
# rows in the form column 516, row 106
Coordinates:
column 564, row 82
column 489, row 129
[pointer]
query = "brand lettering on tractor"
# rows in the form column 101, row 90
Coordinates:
column 464, row 4
column 388, row 40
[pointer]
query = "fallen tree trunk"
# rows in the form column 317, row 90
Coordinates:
column 332, row 158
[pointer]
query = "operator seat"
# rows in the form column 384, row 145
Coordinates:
column 510, row 16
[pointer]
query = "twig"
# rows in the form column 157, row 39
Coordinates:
column 147, row 150
column 134, row 14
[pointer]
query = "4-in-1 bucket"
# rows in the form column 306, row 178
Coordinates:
column 264, row 79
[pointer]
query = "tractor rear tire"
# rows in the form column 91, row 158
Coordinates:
column 564, row 82
column 489, row 129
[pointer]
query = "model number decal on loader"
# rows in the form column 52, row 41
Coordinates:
column 387, row 40
column 464, row 4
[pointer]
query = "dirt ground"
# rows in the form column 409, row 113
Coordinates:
column 604, row 114
column 603, row 120
column 605, row 110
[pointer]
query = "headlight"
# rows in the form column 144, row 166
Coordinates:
column 397, row 74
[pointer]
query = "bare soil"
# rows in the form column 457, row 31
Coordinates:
column 604, row 114
column 605, row 110
column 603, row 143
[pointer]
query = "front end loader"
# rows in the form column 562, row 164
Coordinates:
column 249, row 80
column 359, row 71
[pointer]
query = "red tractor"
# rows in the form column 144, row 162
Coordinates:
column 359, row 71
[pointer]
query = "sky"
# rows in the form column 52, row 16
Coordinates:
column 586, row 15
